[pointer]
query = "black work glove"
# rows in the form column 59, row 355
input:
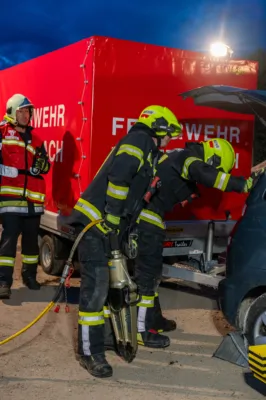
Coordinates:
column 248, row 185
column 40, row 165
column 111, row 224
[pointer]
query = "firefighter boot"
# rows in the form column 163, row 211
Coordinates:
column 5, row 291
column 28, row 273
column 147, row 336
column 160, row 323
column 96, row 365
column 153, row 339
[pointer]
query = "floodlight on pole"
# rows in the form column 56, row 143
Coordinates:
column 220, row 50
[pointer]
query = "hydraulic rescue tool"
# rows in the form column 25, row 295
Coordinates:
column 122, row 300
column 123, row 295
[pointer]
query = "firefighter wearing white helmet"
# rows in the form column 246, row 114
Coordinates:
column 207, row 163
column 15, row 103
column 112, row 196
column 23, row 161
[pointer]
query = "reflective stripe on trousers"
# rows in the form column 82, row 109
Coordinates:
column 7, row 261
column 145, row 312
column 30, row 259
column 91, row 319
column 88, row 324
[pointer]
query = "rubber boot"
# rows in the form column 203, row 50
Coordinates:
column 96, row 365
column 5, row 291
column 28, row 273
column 160, row 323
column 153, row 339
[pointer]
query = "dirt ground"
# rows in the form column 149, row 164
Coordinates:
column 41, row 362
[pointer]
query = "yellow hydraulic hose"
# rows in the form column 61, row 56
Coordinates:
column 60, row 287
column 48, row 308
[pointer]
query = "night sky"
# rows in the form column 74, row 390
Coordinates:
column 31, row 28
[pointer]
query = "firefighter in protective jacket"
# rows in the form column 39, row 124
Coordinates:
column 22, row 192
column 120, row 183
column 208, row 163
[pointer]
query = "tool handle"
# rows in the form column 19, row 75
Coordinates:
column 152, row 189
column 113, row 241
column 191, row 197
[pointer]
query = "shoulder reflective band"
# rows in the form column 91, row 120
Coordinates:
column 131, row 151
column 187, row 163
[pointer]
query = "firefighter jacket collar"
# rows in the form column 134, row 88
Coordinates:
column 139, row 126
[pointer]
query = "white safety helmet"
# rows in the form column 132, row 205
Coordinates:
column 16, row 102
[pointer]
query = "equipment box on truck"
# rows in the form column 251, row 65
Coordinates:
column 86, row 97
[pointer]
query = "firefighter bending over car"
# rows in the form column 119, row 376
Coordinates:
column 118, row 186
column 22, row 192
column 208, row 163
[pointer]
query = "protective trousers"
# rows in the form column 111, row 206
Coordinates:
column 93, row 294
column 13, row 226
column 148, row 271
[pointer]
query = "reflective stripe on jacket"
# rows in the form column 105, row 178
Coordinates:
column 18, row 186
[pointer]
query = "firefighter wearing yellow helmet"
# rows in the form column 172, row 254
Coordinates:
column 208, row 163
column 119, row 185
column 22, row 192
column 161, row 121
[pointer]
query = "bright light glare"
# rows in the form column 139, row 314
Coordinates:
column 220, row 49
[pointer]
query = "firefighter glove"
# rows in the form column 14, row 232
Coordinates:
column 111, row 223
column 42, row 164
column 248, row 185
column 256, row 174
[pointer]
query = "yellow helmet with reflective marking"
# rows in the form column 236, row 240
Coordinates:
column 161, row 120
column 219, row 153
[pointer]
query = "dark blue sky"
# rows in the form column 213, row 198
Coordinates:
column 31, row 28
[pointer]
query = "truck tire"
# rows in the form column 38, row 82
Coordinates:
column 255, row 323
column 49, row 264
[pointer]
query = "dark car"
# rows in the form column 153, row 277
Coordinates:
column 242, row 293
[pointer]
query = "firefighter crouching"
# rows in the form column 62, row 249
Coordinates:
column 122, row 180
column 22, row 192
column 208, row 163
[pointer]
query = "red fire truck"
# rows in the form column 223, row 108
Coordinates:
column 87, row 95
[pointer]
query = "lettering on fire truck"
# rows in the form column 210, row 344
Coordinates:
column 49, row 116
column 54, row 150
column 46, row 117
column 193, row 131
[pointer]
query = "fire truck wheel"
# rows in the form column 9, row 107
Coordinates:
column 49, row 264
column 255, row 322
